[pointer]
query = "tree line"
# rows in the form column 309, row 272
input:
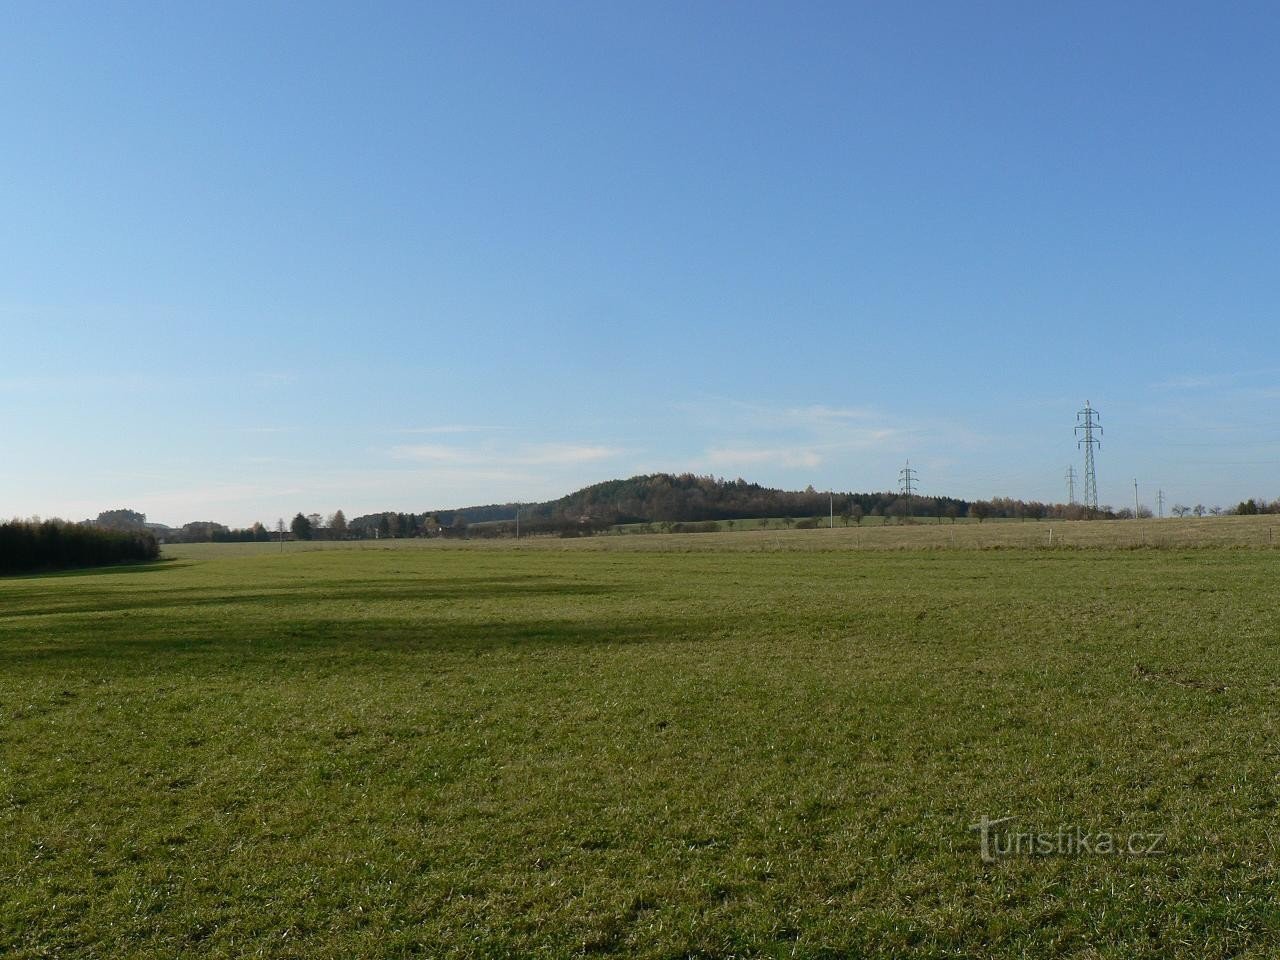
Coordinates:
column 662, row 501
column 28, row 546
column 1255, row 505
column 692, row 503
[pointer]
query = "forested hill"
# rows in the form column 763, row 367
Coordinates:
column 662, row 497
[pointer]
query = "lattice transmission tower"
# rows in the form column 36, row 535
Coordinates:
column 1070, row 477
column 1088, row 423
column 908, row 479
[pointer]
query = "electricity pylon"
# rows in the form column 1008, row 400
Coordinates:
column 907, row 480
column 1070, row 477
column 1088, row 421
column 1160, row 503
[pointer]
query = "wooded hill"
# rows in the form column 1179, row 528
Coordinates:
column 671, row 498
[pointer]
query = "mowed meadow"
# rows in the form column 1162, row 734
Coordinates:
column 763, row 743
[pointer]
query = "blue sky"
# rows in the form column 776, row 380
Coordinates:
column 263, row 258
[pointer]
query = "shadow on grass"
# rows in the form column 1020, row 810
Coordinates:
column 146, row 566
column 302, row 623
column 300, row 645
column 304, row 593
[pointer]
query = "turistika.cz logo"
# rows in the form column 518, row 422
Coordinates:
column 997, row 839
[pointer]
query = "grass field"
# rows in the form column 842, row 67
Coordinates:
column 780, row 523
column 764, row 743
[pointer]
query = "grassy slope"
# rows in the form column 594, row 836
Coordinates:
column 483, row 751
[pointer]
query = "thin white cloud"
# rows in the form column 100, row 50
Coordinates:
column 1186, row 383
column 547, row 454
column 64, row 384
column 1263, row 393
column 821, row 413
column 1210, row 380
column 448, row 428
column 818, row 419
column 723, row 412
column 435, row 453
column 277, row 377
column 732, row 457
column 567, row 453
column 754, row 437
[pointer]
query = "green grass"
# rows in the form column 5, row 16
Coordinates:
column 752, row 744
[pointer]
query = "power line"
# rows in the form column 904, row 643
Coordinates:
column 1087, row 421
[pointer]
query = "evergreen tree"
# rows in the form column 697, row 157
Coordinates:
column 338, row 525
column 301, row 527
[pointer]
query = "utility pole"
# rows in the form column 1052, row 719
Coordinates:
column 1136, row 508
column 1160, row 503
column 1071, row 486
column 908, row 479
column 1087, row 421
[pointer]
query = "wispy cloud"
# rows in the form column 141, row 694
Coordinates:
column 546, row 454
column 735, row 457
column 133, row 382
column 567, row 453
column 435, row 453
column 821, row 441
column 720, row 412
column 276, row 377
column 1186, row 383
column 821, row 413
column 794, row 436
column 1263, row 393
column 1205, row 381
column 448, row 428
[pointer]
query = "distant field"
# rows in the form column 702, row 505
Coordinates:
column 760, row 743
column 780, row 523
column 1256, row 531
